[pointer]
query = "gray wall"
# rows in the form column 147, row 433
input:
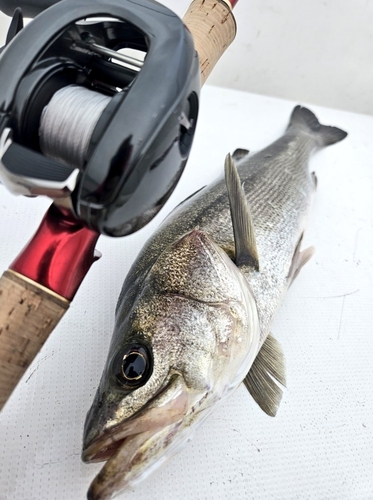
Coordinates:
column 314, row 52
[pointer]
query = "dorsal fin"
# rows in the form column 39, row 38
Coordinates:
column 184, row 201
column 266, row 372
column 243, row 229
column 240, row 153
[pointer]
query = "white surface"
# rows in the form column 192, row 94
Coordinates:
column 318, row 51
column 320, row 446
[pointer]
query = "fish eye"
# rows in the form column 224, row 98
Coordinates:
column 133, row 366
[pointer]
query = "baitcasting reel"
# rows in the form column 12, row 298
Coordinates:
column 98, row 108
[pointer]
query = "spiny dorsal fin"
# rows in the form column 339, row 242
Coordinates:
column 240, row 153
column 300, row 258
column 243, row 229
column 267, row 371
column 184, row 201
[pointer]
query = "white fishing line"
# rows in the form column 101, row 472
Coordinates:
column 67, row 123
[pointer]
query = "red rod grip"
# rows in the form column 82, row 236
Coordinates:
column 60, row 253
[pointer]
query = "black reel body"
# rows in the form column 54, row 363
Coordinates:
column 141, row 141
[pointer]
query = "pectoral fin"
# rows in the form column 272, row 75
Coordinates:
column 243, row 229
column 267, row 371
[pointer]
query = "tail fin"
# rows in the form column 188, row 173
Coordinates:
column 304, row 118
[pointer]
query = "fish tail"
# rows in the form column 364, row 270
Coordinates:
column 303, row 118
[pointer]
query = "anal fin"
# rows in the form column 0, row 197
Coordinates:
column 265, row 375
column 300, row 258
column 243, row 228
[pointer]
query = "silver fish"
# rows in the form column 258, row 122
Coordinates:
column 194, row 315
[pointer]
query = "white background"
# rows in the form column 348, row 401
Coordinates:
column 320, row 445
column 317, row 51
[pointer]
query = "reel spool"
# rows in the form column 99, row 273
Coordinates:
column 67, row 124
column 83, row 121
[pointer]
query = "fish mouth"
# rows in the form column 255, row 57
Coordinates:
column 102, row 449
column 133, row 448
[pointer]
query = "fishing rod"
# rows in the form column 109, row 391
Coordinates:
column 102, row 132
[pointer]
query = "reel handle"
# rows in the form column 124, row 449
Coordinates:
column 30, row 8
column 28, row 314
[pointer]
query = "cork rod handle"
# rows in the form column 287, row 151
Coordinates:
column 28, row 314
column 213, row 27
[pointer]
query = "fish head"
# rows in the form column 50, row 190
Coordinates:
column 189, row 338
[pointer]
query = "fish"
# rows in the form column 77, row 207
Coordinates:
column 194, row 315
